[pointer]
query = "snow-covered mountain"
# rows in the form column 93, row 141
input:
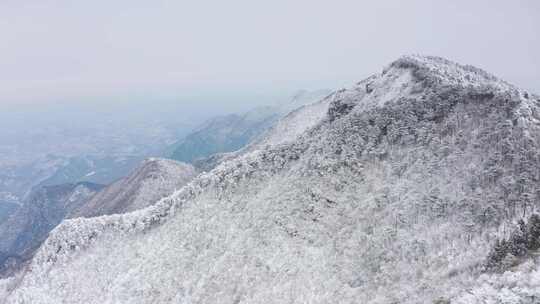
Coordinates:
column 22, row 233
column 152, row 180
column 396, row 195
column 45, row 207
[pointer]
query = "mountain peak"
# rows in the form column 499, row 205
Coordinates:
column 416, row 77
column 446, row 71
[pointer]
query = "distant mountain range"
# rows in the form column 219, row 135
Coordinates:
column 232, row 132
column 285, row 130
column 75, row 142
column 224, row 134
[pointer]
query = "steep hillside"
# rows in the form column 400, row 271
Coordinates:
column 395, row 196
column 151, row 181
column 46, row 207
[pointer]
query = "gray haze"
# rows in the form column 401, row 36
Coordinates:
column 232, row 54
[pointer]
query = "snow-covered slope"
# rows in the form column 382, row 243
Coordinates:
column 395, row 196
column 152, row 180
column 293, row 124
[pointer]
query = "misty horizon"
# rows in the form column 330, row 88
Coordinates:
column 240, row 54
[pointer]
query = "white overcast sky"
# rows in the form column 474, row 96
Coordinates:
column 225, row 51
